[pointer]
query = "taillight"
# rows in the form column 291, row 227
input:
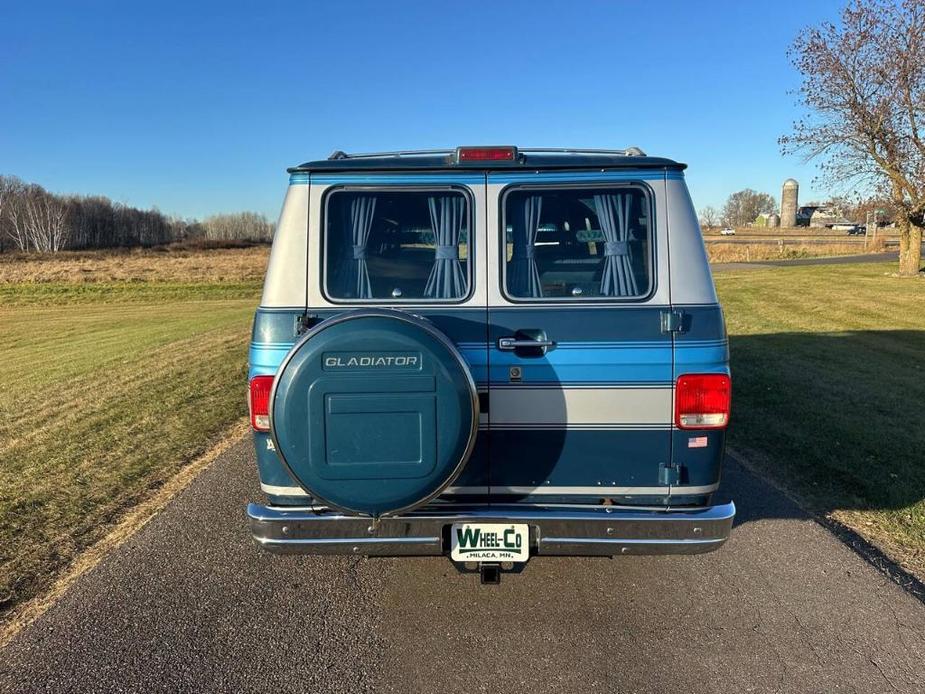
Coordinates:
column 505, row 153
column 702, row 401
column 258, row 402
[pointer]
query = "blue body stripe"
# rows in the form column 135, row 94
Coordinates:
column 651, row 365
column 702, row 359
column 632, row 366
column 264, row 359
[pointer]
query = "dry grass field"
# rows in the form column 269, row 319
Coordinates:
column 755, row 244
column 797, row 232
column 229, row 265
column 118, row 370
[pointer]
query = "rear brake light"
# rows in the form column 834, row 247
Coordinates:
column 506, row 153
column 702, row 401
column 258, row 402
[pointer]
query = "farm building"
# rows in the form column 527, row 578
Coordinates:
column 765, row 219
column 805, row 214
column 824, row 216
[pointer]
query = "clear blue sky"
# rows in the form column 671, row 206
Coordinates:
column 198, row 108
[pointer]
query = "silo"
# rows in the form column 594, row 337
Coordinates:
column 789, row 203
column 773, row 220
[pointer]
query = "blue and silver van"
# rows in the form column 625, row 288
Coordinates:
column 489, row 353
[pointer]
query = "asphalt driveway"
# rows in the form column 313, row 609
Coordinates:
column 822, row 260
column 191, row 604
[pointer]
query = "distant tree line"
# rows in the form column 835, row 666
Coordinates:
column 35, row 220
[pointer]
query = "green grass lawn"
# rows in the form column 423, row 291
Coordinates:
column 828, row 368
column 107, row 390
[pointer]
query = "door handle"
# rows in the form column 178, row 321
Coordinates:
column 509, row 344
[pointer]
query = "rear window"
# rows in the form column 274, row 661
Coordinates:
column 397, row 245
column 577, row 243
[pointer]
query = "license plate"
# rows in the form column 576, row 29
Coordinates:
column 490, row 542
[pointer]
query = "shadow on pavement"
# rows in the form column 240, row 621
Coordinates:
column 838, row 419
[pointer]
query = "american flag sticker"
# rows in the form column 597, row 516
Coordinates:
column 697, row 442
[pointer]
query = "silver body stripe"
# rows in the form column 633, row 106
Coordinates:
column 583, row 385
column 529, row 406
column 578, row 426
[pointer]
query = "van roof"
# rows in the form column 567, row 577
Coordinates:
column 448, row 159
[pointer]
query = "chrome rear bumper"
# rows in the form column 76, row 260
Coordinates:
column 595, row 531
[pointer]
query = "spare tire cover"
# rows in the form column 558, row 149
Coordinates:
column 374, row 412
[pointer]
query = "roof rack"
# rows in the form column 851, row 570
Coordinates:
column 339, row 154
column 628, row 152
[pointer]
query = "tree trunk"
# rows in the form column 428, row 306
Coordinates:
column 910, row 248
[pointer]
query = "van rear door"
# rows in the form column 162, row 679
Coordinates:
column 413, row 242
column 580, row 370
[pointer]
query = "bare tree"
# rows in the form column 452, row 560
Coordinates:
column 12, row 211
column 864, row 91
column 241, row 226
column 709, row 217
column 183, row 229
column 45, row 220
column 863, row 208
column 744, row 207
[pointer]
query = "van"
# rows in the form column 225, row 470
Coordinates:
column 489, row 353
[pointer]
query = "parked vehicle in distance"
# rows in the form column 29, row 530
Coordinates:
column 859, row 230
column 489, row 353
column 727, row 231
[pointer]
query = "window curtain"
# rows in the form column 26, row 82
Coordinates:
column 358, row 223
column 613, row 212
column 523, row 278
column 447, row 218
